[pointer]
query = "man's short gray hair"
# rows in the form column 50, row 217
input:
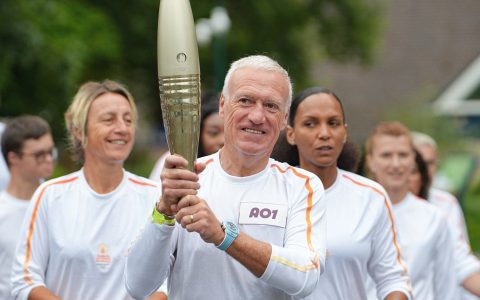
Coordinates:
column 261, row 62
column 421, row 139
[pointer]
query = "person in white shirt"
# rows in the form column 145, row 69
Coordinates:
column 467, row 265
column 211, row 133
column 424, row 235
column 361, row 239
column 78, row 227
column 28, row 149
column 4, row 173
column 248, row 227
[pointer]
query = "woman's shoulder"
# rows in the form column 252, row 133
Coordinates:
column 140, row 181
column 361, row 183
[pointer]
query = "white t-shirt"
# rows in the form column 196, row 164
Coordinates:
column 74, row 240
column 280, row 205
column 12, row 211
column 361, row 241
column 466, row 262
column 4, row 172
column 427, row 247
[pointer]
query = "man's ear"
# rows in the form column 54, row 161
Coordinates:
column 290, row 134
column 285, row 121
column 221, row 106
column 12, row 157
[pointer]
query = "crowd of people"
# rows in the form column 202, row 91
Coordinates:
column 276, row 208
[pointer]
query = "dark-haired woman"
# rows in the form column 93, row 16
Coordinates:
column 360, row 233
column 419, row 178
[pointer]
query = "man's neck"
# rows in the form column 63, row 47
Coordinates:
column 242, row 165
column 22, row 189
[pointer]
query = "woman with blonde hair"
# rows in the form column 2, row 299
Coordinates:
column 78, row 227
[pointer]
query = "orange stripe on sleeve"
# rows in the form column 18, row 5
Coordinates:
column 142, row 182
column 26, row 274
column 390, row 215
column 309, row 199
column 208, row 161
column 312, row 266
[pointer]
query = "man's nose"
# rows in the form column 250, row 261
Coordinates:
column 257, row 114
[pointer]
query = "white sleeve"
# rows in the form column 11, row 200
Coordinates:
column 296, row 267
column 385, row 265
column 32, row 252
column 466, row 263
column 164, row 287
column 457, row 219
column 149, row 260
column 445, row 284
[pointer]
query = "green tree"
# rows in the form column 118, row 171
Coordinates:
column 296, row 33
column 49, row 47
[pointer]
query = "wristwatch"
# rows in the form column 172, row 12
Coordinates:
column 231, row 233
column 159, row 218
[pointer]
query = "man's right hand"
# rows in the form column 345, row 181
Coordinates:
column 177, row 182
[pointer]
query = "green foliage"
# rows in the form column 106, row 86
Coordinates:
column 296, row 32
column 141, row 162
column 47, row 47
column 50, row 47
column 472, row 213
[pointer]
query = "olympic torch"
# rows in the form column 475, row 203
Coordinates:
column 179, row 78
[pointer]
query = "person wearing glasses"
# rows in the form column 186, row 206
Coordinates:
column 78, row 227
column 28, row 150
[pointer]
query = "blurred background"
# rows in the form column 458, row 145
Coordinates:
column 413, row 61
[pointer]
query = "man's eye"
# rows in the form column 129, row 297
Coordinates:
column 272, row 106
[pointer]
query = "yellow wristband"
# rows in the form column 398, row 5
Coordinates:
column 159, row 218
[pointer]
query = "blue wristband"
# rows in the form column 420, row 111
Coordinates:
column 231, row 233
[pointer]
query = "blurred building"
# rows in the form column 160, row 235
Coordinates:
column 427, row 45
column 461, row 99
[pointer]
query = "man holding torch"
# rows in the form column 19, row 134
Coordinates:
column 246, row 226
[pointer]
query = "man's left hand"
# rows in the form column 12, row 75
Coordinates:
column 195, row 215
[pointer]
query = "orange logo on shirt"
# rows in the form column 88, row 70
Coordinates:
column 103, row 258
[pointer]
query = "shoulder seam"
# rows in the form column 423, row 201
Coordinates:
column 390, row 215
column 142, row 183
column 26, row 275
column 309, row 198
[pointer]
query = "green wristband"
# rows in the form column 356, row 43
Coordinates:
column 159, row 218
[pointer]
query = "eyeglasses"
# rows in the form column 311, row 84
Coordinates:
column 41, row 156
